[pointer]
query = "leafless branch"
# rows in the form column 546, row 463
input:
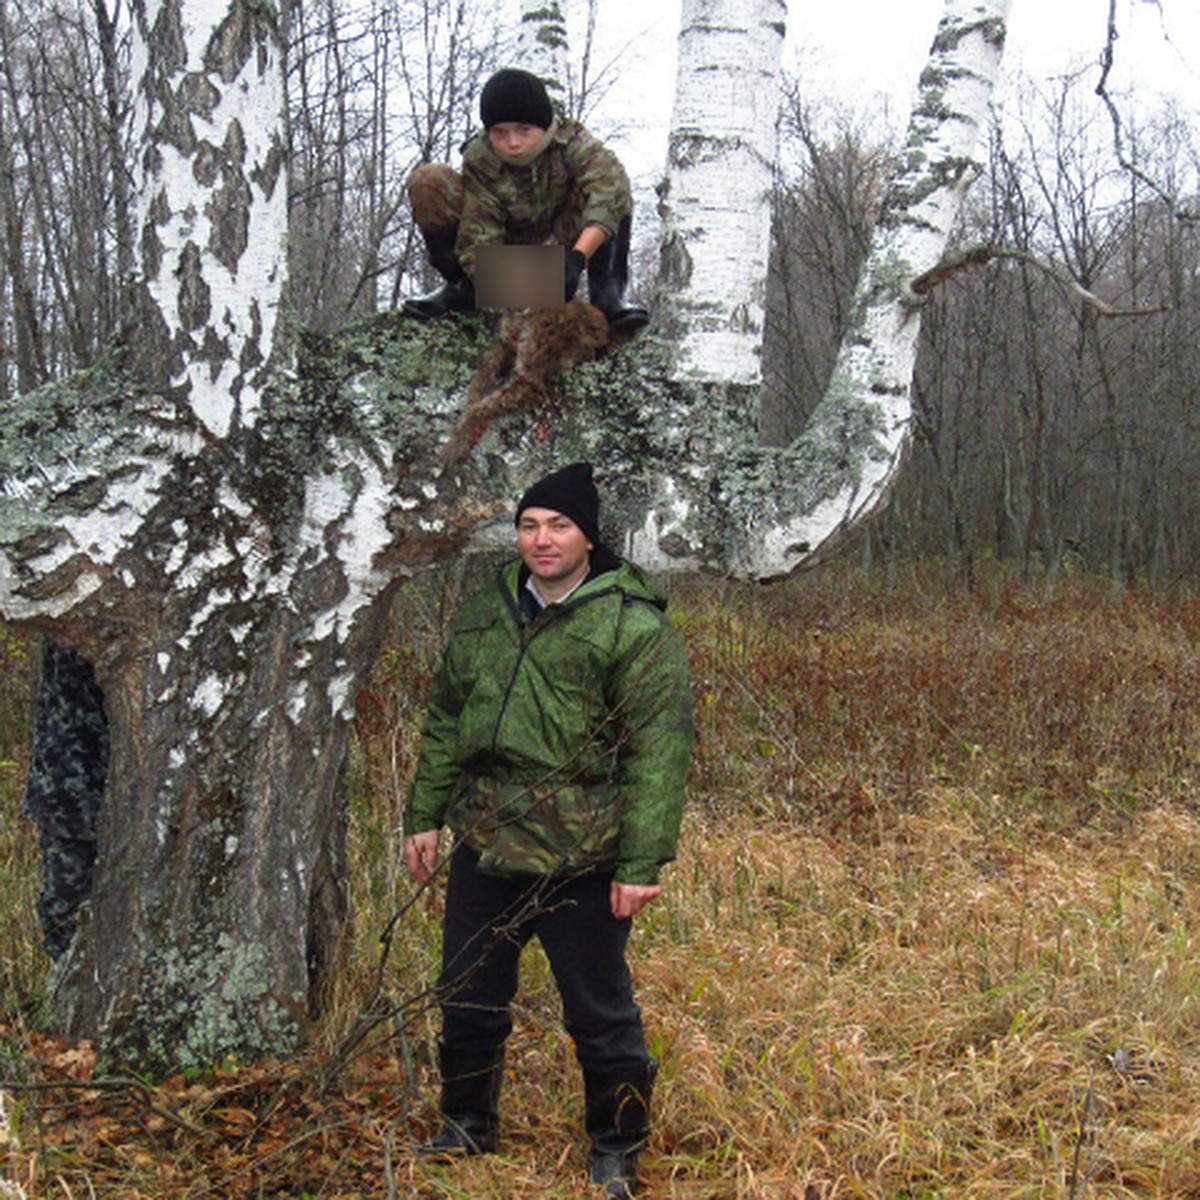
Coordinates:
column 975, row 256
column 1107, row 59
column 113, row 1085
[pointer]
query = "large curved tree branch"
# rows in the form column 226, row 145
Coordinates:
column 760, row 512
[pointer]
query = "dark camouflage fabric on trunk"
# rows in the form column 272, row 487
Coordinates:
column 68, row 765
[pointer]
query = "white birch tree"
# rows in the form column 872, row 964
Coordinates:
column 720, row 173
column 213, row 205
column 217, row 520
column 781, row 506
column 542, row 46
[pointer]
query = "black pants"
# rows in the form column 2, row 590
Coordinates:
column 489, row 919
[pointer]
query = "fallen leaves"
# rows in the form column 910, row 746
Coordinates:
column 262, row 1129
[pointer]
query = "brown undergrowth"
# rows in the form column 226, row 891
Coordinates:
column 932, row 931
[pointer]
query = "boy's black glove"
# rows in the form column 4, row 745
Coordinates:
column 575, row 262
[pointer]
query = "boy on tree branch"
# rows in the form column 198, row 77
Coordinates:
column 529, row 177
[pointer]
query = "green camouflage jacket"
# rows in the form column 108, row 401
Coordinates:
column 575, row 182
column 562, row 742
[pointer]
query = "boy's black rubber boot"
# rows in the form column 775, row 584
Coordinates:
column 608, row 276
column 457, row 294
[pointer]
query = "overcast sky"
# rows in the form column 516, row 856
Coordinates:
column 870, row 53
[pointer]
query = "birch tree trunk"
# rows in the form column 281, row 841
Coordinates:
column 213, row 203
column 202, row 868
column 720, row 163
column 214, row 551
column 542, row 46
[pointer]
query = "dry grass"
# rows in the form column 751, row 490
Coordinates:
column 932, row 931
column 21, row 969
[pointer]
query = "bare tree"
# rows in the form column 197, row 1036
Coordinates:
column 831, row 182
column 1055, row 418
column 64, row 190
column 371, row 92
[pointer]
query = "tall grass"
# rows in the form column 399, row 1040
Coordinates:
column 932, row 931
column 20, row 967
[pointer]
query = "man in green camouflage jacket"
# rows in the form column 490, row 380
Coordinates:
column 556, row 746
column 529, row 177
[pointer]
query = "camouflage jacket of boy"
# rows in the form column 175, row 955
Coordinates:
column 576, row 181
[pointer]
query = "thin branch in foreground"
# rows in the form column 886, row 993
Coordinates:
column 117, row 1084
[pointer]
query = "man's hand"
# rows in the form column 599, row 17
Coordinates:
column 420, row 854
column 628, row 899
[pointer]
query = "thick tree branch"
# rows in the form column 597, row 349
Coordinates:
column 779, row 507
column 980, row 255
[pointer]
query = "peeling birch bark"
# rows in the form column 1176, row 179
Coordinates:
column 213, row 204
column 717, row 195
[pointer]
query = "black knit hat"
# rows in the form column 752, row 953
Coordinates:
column 514, row 95
column 569, row 491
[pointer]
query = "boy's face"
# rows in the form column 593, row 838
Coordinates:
column 510, row 139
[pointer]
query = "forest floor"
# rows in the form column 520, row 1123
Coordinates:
column 933, row 930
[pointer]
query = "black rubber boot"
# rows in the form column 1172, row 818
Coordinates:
column 608, row 276
column 618, row 1125
column 457, row 294
column 470, row 1104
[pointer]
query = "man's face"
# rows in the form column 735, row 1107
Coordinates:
column 510, row 139
column 554, row 548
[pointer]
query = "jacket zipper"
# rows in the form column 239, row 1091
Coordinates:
column 526, row 634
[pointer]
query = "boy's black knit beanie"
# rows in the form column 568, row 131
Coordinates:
column 515, row 95
column 569, row 491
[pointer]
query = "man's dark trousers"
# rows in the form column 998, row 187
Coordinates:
column 490, row 918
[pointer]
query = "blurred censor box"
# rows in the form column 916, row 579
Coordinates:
column 519, row 276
